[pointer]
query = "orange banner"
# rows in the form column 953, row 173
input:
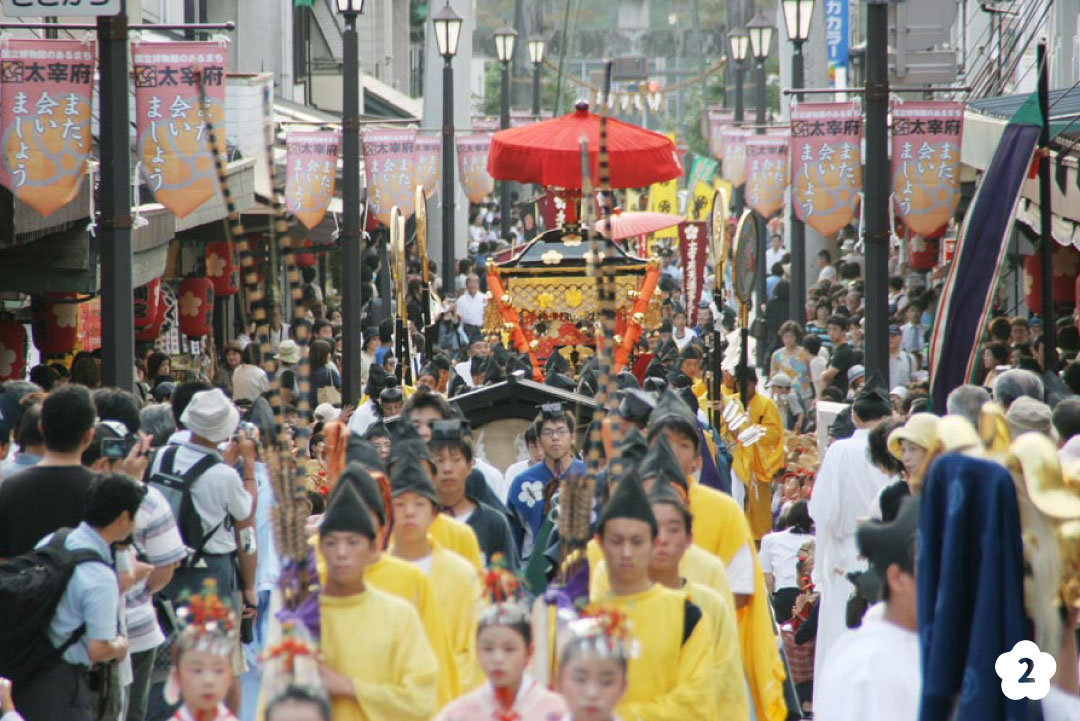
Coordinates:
column 926, row 163
column 310, row 171
column 826, row 163
column 767, row 173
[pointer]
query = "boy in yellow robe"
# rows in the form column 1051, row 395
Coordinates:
column 402, row 579
column 758, row 464
column 674, row 520
column 669, row 679
column 376, row 663
column 415, row 506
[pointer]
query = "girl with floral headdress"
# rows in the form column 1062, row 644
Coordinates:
column 593, row 664
column 504, row 647
column 202, row 658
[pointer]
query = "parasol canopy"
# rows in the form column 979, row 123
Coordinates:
column 549, row 153
column 631, row 225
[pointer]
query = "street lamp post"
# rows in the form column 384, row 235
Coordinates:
column 536, row 56
column 876, row 191
column 760, row 32
column 505, row 39
column 797, row 16
column 447, row 32
column 739, row 41
column 351, row 252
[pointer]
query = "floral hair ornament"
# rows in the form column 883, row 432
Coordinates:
column 606, row 630
column 503, row 601
column 293, row 659
column 206, row 622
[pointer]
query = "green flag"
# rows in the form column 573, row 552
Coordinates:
column 702, row 171
column 303, row 3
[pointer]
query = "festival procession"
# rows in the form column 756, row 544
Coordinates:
column 561, row 360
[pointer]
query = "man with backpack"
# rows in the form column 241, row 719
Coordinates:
column 59, row 607
column 212, row 504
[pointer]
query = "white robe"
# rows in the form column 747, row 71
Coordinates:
column 872, row 672
column 847, row 485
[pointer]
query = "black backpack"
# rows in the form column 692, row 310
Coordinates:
column 31, row 586
column 177, row 491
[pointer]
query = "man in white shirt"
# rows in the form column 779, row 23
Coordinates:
column 902, row 365
column 534, row 454
column 826, row 270
column 775, row 253
column 873, row 672
column 846, row 486
column 470, row 306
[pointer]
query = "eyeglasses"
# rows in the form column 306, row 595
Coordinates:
column 555, row 432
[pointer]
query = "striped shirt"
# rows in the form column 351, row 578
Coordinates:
column 158, row 540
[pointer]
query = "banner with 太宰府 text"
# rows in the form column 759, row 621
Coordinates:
column 472, row 152
column 766, row 173
column 171, row 130
column 310, row 172
column 427, row 154
column 46, row 88
column 389, row 170
column 926, row 163
column 826, row 163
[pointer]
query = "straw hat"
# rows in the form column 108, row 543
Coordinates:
column 1034, row 457
column 920, row 429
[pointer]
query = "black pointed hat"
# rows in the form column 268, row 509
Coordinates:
column 635, row 406
column 376, row 381
column 406, row 443
column 354, row 476
column 872, row 400
column 654, row 385
column 410, row 475
column 361, row 451
column 348, row 513
column 556, row 363
column 660, row 463
column 691, row 350
column 625, row 380
column 478, row 365
column 628, row 500
column 655, row 369
column 428, row 369
column 628, row 454
column 884, row 544
column 672, row 411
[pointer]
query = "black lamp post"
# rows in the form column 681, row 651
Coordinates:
column 760, row 32
column 876, row 191
column 536, row 57
column 505, row 39
column 447, row 32
column 797, row 16
column 351, row 251
column 739, row 41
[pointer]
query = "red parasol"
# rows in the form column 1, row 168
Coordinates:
column 549, row 153
column 631, row 225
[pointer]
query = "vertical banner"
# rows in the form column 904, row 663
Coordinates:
column 693, row 244
column 472, row 152
column 45, row 109
column 926, row 163
column 718, row 120
column 171, row 133
column 427, row 155
column 826, row 163
column 310, row 171
column 663, row 199
column 836, row 41
column 388, row 168
column 702, row 170
column 734, row 142
column 701, row 201
column 766, row 173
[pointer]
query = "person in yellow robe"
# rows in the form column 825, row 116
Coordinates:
column 376, row 664
column 669, row 679
column 673, row 539
column 415, row 507
column 402, row 579
column 756, row 465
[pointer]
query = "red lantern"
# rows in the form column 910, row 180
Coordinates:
column 12, row 349
column 923, row 253
column 305, row 260
column 195, row 301
column 55, row 323
column 152, row 331
column 147, row 300
column 221, row 268
column 1066, row 264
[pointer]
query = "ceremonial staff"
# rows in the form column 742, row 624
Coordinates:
column 397, row 271
column 425, row 280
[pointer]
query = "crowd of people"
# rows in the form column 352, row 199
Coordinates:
column 734, row 566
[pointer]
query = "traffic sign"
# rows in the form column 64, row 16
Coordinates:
column 60, row 8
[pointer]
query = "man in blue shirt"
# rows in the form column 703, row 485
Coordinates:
column 90, row 602
column 525, row 500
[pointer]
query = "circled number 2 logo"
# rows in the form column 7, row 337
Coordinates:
column 1025, row 671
